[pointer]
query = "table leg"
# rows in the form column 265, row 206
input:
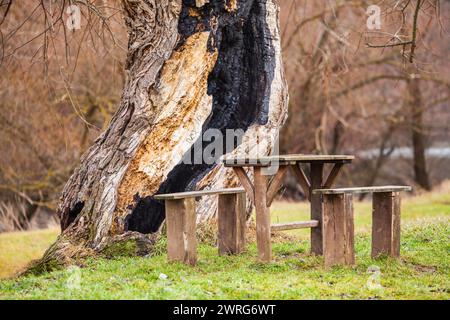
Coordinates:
column 316, row 208
column 262, row 216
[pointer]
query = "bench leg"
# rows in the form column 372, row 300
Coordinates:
column 232, row 223
column 181, row 223
column 262, row 217
column 386, row 224
column 317, row 241
column 338, row 230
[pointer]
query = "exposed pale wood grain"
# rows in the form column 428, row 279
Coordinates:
column 294, row 225
column 231, row 223
column 303, row 180
column 262, row 217
column 181, row 223
column 386, row 224
column 338, row 230
column 103, row 167
column 275, row 184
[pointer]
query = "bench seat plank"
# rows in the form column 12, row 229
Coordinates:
column 363, row 190
column 195, row 194
column 294, row 225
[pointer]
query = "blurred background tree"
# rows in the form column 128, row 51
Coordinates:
column 59, row 89
column 381, row 94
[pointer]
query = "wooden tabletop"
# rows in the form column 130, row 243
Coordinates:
column 363, row 190
column 195, row 194
column 286, row 159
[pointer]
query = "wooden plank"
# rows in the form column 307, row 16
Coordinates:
column 181, row 223
column 349, row 231
column 382, row 205
column 246, row 183
column 174, row 225
column 331, row 205
column 190, row 223
column 226, row 220
column 303, row 180
column 316, row 209
column 231, row 223
column 287, row 159
column 386, row 224
column 241, row 213
column 396, row 225
column 333, row 175
column 379, row 189
column 294, row 225
column 195, row 194
column 338, row 230
column 262, row 217
column 313, row 157
column 275, row 184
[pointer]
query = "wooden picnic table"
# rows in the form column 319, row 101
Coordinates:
column 262, row 191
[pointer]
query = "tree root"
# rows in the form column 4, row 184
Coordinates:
column 67, row 252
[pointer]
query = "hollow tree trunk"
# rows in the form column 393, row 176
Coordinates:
column 191, row 66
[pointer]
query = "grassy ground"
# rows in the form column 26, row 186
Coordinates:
column 17, row 249
column 422, row 273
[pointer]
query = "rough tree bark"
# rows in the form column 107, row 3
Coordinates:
column 418, row 135
column 191, row 66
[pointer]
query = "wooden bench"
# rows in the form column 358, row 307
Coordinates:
column 181, row 222
column 338, row 224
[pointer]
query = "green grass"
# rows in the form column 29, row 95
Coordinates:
column 423, row 272
column 17, row 249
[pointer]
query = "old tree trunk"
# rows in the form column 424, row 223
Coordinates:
column 192, row 65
